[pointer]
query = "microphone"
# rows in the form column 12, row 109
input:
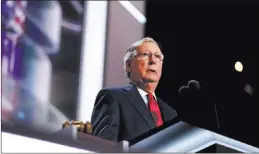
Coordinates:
column 195, row 88
column 184, row 92
column 193, row 91
column 194, row 85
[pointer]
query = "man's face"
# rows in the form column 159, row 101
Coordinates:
column 147, row 65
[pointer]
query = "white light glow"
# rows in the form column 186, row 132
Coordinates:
column 238, row 66
column 92, row 58
column 133, row 11
column 20, row 144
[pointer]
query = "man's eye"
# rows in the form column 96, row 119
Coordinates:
column 158, row 56
column 145, row 54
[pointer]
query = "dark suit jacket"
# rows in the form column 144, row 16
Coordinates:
column 121, row 114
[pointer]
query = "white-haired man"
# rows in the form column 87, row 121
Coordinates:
column 124, row 113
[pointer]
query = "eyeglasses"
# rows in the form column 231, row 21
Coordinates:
column 146, row 55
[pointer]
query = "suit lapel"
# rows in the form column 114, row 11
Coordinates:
column 134, row 97
column 166, row 111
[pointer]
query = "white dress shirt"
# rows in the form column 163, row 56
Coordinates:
column 143, row 94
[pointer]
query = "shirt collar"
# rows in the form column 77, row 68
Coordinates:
column 143, row 94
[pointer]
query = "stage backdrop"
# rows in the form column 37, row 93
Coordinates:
column 41, row 48
column 57, row 55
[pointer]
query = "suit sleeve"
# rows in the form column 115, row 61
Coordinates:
column 106, row 116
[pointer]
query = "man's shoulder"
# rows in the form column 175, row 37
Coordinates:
column 114, row 89
column 109, row 94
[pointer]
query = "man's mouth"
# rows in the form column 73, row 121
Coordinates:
column 151, row 70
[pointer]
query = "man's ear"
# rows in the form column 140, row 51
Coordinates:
column 128, row 66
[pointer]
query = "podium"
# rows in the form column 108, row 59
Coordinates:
column 183, row 137
column 176, row 136
column 68, row 138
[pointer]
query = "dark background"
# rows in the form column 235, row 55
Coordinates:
column 202, row 40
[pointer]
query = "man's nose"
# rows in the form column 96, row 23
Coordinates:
column 151, row 59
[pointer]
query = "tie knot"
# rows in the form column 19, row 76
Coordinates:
column 150, row 96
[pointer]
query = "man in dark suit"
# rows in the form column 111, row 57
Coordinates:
column 124, row 113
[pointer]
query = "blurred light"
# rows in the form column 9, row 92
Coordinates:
column 21, row 115
column 78, row 7
column 249, row 89
column 45, row 21
column 92, row 58
column 12, row 143
column 10, row 3
column 133, row 11
column 38, row 81
column 20, row 14
column 24, row 3
column 6, row 105
column 71, row 26
column 238, row 66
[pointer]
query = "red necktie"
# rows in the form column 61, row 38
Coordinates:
column 155, row 111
